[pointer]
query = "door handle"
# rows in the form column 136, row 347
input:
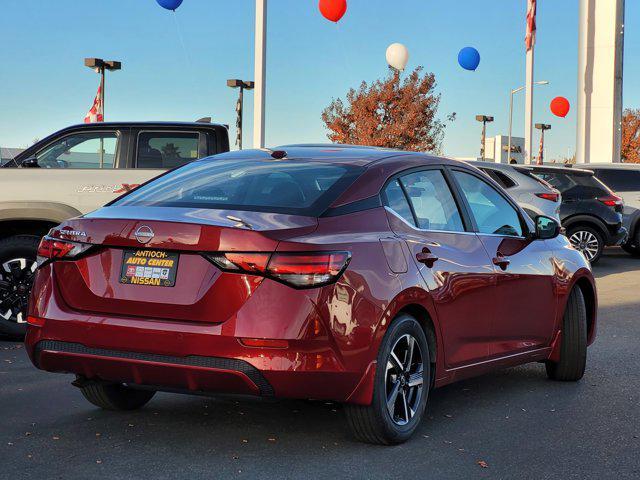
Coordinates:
column 501, row 261
column 426, row 257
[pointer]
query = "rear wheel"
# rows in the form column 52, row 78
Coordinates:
column 573, row 347
column 402, row 380
column 588, row 240
column 17, row 269
column 115, row 396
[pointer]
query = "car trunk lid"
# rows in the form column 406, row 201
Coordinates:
column 200, row 292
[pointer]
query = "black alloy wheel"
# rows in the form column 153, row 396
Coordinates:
column 17, row 270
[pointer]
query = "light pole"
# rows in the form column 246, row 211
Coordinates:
column 100, row 65
column 516, row 90
column 241, row 84
column 542, row 127
column 260, row 73
column 484, row 119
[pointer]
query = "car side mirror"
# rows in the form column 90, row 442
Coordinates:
column 546, row 228
column 31, row 162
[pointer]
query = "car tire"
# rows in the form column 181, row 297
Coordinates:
column 20, row 251
column 588, row 237
column 376, row 423
column 573, row 347
column 115, row 396
column 633, row 249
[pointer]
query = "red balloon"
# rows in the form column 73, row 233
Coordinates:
column 332, row 9
column 560, row 106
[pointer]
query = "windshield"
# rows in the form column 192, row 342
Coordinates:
column 292, row 186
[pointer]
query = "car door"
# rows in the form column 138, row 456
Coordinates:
column 81, row 168
column 524, row 298
column 452, row 261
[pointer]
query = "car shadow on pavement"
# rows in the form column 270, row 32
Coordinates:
column 230, row 422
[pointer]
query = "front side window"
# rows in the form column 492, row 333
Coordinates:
column 432, row 201
column 165, row 150
column 81, row 150
column 290, row 187
column 492, row 212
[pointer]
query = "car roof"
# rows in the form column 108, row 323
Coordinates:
column 100, row 125
column 614, row 166
column 560, row 169
column 334, row 153
column 496, row 166
column 378, row 163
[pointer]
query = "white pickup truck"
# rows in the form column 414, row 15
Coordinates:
column 73, row 172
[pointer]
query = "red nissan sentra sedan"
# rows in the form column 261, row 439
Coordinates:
column 360, row 275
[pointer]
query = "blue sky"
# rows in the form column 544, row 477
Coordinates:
column 44, row 85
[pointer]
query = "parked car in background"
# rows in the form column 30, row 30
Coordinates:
column 624, row 180
column 364, row 276
column 590, row 212
column 74, row 171
column 533, row 194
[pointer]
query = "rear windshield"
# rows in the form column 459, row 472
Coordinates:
column 620, row 180
column 583, row 185
column 292, row 186
column 533, row 176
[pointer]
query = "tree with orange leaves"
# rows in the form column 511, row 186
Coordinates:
column 389, row 113
column 630, row 150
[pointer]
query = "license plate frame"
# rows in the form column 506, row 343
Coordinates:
column 152, row 268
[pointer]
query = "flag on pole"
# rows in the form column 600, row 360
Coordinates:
column 96, row 112
column 530, row 38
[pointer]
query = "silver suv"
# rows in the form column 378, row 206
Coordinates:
column 533, row 194
column 624, row 180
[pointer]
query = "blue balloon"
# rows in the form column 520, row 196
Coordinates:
column 469, row 58
column 169, row 4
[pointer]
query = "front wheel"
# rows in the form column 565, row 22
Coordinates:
column 632, row 247
column 17, row 269
column 573, row 346
column 402, row 381
column 587, row 240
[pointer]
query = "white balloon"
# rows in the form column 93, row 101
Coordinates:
column 397, row 56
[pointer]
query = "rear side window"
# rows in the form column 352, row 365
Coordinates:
column 500, row 178
column 620, row 180
column 432, row 201
column 165, row 150
column 397, row 201
column 291, row 187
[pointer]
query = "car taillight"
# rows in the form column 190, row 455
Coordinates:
column 611, row 200
column 241, row 262
column 549, row 196
column 299, row 270
column 55, row 249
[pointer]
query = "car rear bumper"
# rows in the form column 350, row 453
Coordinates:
column 193, row 358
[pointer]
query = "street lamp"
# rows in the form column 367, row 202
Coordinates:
column 516, row 90
column 100, row 65
column 241, row 84
column 542, row 127
column 484, row 119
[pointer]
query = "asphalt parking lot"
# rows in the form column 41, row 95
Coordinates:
column 511, row 424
